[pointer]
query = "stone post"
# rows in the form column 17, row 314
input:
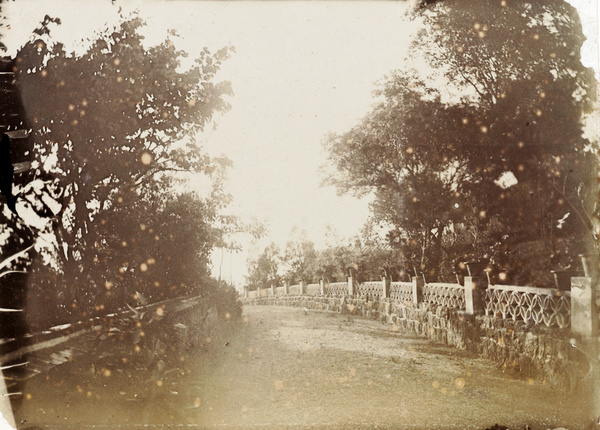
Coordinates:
column 475, row 287
column 322, row 284
column 286, row 288
column 258, row 292
column 302, row 288
column 351, row 286
column 385, row 294
column 273, row 292
column 584, row 313
column 418, row 282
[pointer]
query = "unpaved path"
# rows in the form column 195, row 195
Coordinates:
column 287, row 369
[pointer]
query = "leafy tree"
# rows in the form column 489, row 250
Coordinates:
column 156, row 248
column 374, row 257
column 333, row 263
column 229, row 228
column 488, row 46
column 405, row 154
column 266, row 270
column 299, row 260
column 517, row 66
column 110, row 127
column 434, row 155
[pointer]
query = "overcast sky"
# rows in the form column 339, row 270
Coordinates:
column 299, row 71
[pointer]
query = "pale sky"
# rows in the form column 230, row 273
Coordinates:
column 300, row 70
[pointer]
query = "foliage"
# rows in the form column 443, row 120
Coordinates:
column 528, row 95
column 333, row 264
column 366, row 257
column 265, row 270
column 300, row 258
column 116, row 113
column 435, row 156
column 406, row 155
column 226, row 298
column 110, row 129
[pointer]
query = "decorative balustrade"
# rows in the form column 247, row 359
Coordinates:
column 370, row 289
column 295, row 290
column 529, row 304
column 551, row 307
column 448, row 295
column 336, row 289
column 266, row 292
column 313, row 289
column 401, row 291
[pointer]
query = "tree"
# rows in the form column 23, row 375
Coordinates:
column 407, row 152
column 467, row 43
column 265, row 271
column 110, row 129
column 299, row 259
column 373, row 255
column 435, row 155
column 517, row 65
column 333, row 263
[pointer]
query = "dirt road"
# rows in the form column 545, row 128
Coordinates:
column 285, row 368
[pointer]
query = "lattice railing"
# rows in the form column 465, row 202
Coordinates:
column 336, row 289
column 313, row 289
column 529, row 304
column 295, row 290
column 401, row 291
column 370, row 289
column 266, row 292
column 448, row 295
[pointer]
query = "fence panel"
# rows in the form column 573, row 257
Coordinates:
column 529, row 304
column 448, row 295
column 401, row 291
column 266, row 292
column 336, row 289
column 370, row 289
column 313, row 289
column 295, row 290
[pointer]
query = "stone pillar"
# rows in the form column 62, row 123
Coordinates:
column 584, row 327
column 273, row 292
column 417, row 289
column 475, row 287
column 302, row 288
column 351, row 286
column 322, row 284
column 584, row 313
column 386, row 287
column 286, row 288
column 258, row 292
